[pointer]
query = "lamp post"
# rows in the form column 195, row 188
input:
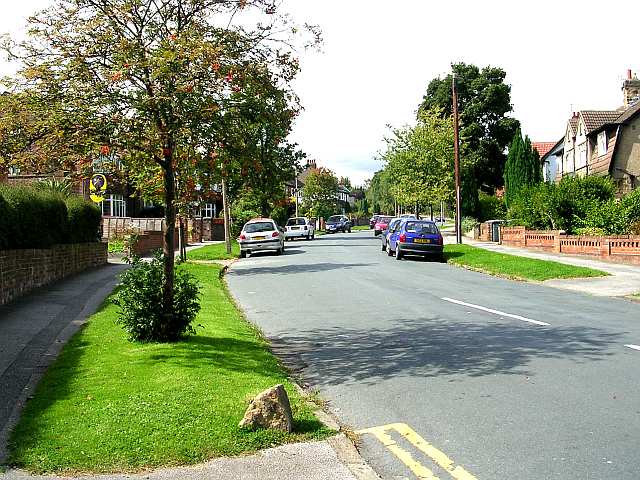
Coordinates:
column 456, row 156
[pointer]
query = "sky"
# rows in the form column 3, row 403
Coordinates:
column 378, row 57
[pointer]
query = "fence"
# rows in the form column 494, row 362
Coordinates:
column 620, row 249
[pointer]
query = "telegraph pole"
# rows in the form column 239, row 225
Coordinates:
column 456, row 154
column 225, row 211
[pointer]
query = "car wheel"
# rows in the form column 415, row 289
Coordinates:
column 243, row 254
column 313, row 235
column 398, row 253
column 384, row 247
column 349, row 229
column 389, row 252
column 308, row 238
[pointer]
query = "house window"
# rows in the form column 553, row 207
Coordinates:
column 14, row 171
column 114, row 205
column 208, row 210
column 602, row 143
column 582, row 156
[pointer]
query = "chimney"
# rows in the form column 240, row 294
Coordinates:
column 630, row 90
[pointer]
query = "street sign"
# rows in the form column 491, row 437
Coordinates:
column 97, row 187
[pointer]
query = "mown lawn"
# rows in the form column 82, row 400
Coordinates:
column 511, row 266
column 110, row 405
column 216, row 251
column 360, row 227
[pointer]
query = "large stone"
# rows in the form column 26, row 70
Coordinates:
column 270, row 409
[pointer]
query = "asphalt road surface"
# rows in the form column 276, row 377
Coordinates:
column 448, row 373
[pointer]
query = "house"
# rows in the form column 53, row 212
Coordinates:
column 606, row 142
column 295, row 189
column 550, row 159
column 543, row 149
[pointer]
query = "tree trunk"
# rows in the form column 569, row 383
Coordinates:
column 168, row 243
column 225, row 210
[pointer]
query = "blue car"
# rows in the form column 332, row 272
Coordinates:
column 415, row 237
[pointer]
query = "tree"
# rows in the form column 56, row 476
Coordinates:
column 161, row 85
column 345, row 181
column 485, row 129
column 523, row 168
column 319, row 193
column 379, row 193
column 420, row 160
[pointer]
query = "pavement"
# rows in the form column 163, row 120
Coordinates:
column 35, row 327
column 449, row 373
column 623, row 280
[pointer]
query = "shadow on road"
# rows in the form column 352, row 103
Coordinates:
column 432, row 347
column 287, row 269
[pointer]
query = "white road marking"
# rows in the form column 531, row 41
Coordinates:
column 496, row 312
column 634, row 347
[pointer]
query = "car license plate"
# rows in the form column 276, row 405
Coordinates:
column 295, row 228
column 422, row 240
column 258, row 238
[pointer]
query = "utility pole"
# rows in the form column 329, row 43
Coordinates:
column 296, row 193
column 456, row 153
column 225, row 211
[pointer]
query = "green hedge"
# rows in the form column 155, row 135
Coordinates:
column 35, row 218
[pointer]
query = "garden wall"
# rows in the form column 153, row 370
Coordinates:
column 619, row 249
column 23, row 270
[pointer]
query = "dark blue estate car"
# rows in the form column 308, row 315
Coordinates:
column 415, row 237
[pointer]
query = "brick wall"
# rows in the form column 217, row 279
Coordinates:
column 619, row 249
column 24, row 270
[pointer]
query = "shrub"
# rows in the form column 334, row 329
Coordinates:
column 6, row 223
column 140, row 302
column 468, row 223
column 83, row 220
column 39, row 218
column 631, row 202
column 490, row 207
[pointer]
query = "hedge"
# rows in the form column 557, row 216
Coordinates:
column 35, row 218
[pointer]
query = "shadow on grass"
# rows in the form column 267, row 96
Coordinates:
column 430, row 347
column 450, row 255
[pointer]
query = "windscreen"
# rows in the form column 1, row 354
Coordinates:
column 334, row 219
column 423, row 228
column 295, row 221
column 259, row 227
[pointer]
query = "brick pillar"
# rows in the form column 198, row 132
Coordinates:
column 557, row 236
column 605, row 247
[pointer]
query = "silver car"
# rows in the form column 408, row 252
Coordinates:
column 259, row 235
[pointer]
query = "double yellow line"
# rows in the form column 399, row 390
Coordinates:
column 422, row 472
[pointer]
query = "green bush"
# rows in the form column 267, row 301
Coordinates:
column 140, row 302
column 39, row 218
column 490, row 207
column 83, row 220
column 467, row 224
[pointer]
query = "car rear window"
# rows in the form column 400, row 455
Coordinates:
column 334, row 218
column 384, row 219
column 296, row 221
column 259, row 227
column 421, row 227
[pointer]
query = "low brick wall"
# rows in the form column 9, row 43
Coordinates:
column 619, row 249
column 23, row 270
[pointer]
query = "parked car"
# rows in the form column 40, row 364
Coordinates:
column 381, row 225
column 259, row 235
column 415, row 237
column 337, row 223
column 384, row 236
column 300, row 227
column 373, row 220
column 407, row 215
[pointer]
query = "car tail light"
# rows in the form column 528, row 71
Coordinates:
column 306, row 228
column 275, row 234
column 403, row 238
column 243, row 237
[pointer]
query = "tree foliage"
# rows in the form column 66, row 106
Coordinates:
column 319, row 193
column 485, row 129
column 420, row 160
column 523, row 167
column 173, row 90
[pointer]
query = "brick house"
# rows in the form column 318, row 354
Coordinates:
column 605, row 142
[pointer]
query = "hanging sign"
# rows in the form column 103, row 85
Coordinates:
column 97, row 187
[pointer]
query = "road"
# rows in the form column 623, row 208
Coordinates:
column 468, row 376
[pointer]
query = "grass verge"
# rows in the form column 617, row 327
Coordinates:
column 216, row 251
column 360, row 228
column 512, row 266
column 109, row 405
